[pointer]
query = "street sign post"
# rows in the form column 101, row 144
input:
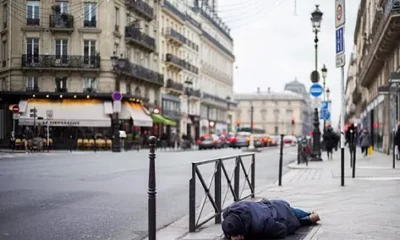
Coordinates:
column 49, row 116
column 117, row 97
column 340, row 21
column 316, row 90
column 15, row 109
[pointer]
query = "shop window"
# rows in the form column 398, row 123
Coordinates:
column 61, row 84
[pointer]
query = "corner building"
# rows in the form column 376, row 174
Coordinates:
column 61, row 61
column 377, row 56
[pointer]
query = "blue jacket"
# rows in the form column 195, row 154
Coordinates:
column 265, row 219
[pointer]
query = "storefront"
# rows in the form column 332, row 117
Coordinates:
column 372, row 120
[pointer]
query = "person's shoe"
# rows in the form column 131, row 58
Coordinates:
column 314, row 217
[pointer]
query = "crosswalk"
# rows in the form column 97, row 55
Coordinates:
column 19, row 155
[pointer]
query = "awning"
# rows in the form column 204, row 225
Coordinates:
column 66, row 112
column 157, row 118
column 134, row 110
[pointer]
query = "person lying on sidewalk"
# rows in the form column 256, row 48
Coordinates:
column 264, row 220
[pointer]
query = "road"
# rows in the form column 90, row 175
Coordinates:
column 103, row 195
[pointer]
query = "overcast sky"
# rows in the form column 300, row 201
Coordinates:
column 273, row 45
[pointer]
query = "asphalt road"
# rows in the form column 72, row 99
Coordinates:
column 103, row 195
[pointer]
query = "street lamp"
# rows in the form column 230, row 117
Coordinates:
column 118, row 65
column 324, row 71
column 188, row 88
column 316, row 18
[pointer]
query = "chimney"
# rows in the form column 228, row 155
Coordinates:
column 269, row 90
column 258, row 90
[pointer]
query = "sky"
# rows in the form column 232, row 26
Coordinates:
column 274, row 43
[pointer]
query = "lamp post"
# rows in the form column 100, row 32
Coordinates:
column 118, row 65
column 324, row 71
column 316, row 18
column 188, row 88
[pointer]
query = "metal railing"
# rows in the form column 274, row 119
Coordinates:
column 58, row 61
column 132, row 32
column 217, row 201
column 141, row 7
column 61, row 21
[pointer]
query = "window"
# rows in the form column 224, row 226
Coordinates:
column 31, row 83
column 5, row 16
column 90, row 18
column 89, row 84
column 62, row 50
column 116, row 19
column 64, row 8
column 32, row 13
column 89, row 52
column 61, row 83
column 128, row 88
column 32, row 50
column 4, row 50
column 116, row 49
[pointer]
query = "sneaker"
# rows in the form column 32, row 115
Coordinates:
column 314, row 217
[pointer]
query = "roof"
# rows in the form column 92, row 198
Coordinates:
column 285, row 95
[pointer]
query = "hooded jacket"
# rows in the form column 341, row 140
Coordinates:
column 255, row 220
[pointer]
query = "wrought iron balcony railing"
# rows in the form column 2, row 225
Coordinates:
column 174, row 85
column 61, row 21
column 142, row 73
column 177, row 36
column 54, row 61
column 175, row 60
column 133, row 33
column 33, row 21
column 90, row 23
column 141, row 8
column 193, row 92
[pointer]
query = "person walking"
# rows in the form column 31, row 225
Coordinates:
column 330, row 141
column 397, row 141
column 365, row 142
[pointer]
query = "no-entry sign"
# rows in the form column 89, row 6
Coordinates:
column 15, row 109
column 340, row 18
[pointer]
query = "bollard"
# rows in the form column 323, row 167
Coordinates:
column 393, row 150
column 152, row 190
column 281, row 161
column 354, row 161
column 70, row 144
column 298, row 153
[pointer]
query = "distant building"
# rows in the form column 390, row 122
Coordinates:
column 276, row 112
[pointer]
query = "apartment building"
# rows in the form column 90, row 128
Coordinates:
column 62, row 60
column 378, row 55
column 196, row 49
column 352, row 95
column 275, row 112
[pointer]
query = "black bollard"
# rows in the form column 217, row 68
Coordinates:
column 152, row 189
column 281, row 161
column 393, row 150
column 71, row 143
column 298, row 152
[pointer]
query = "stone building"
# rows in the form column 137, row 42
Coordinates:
column 275, row 112
column 378, row 55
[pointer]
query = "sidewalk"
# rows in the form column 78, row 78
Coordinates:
column 366, row 208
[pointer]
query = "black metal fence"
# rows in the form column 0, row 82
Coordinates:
column 216, row 181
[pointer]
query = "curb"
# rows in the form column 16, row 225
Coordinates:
column 314, row 232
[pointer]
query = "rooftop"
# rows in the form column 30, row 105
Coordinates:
column 269, row 95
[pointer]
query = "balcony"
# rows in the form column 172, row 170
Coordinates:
column 175, row 62
column 90, row 23
column 142, row 73
column 191, row 68
column 216, row 100
column 172, row 114
column 141, row 8
column 32, row 89
column 89, row 90
column 357, row 94
column 61, row 90
column 61, row 23
column 193, row 92
column 134, row 36
column 175, row 37
column 174, row 86
column 382, row 42
column 33, row 21
column 54, row 62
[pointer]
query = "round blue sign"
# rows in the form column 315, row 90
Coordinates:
column 316, row 90
column 117, row 96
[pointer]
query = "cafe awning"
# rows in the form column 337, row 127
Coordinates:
column 66, row 113
column 135, row 111
column 159, row 119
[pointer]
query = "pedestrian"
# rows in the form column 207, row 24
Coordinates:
column 397, row 140
column 351, row 137
column 365, row 142
column 265, row 219
column 330, row 140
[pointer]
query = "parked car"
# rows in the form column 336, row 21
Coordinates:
column 209, row 142
column 240, row 140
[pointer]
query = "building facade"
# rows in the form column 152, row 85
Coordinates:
column 197, row 62
column 57, row 55
column 275, row 112
column 351, row 95
column 378, row 55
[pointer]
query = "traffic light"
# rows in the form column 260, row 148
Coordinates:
column 293, row 122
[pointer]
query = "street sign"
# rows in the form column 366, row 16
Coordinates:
column 340, row 60
column 324, row 114
column 316, row 90
column 49, row 114
column 316, row 103
column 325, row 105
column 116, row 96
column 15, row 109
column 340, row 18
column 117, row 106
column 15, row 116
column 340, row 40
